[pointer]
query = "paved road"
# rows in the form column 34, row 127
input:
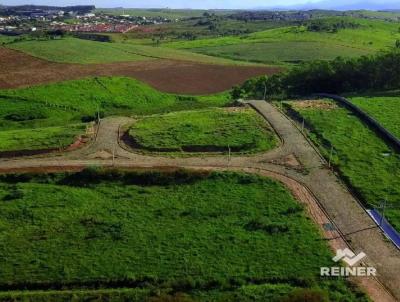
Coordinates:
column 339, row 204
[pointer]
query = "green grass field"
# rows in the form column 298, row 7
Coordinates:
column 384, row 109
column 218, row 237
column 369, row 37
column 212, row 130
column 40, row 138
column 45, row 111
column 290, row 52
column 366, row 162
column 73, row 50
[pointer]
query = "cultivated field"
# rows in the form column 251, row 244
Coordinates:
column 364, row 160
column 212, row 130
column 18, row 69
column 73, row 50
column 212, row 237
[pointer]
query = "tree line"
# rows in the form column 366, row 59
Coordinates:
column 377, row 72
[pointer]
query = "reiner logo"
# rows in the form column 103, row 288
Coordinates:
column 351, row 259
column 348, row 256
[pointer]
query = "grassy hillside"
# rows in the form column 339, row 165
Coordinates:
column 273, row 52
column 214, row 237
column 201, row 131
column 73, row 50
column 367, row 37
column 73, row 102
column 385, row 109
column 366, row 162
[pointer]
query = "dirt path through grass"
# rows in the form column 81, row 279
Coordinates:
column 295, row 163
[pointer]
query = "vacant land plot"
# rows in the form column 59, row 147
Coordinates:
column 385, row 109
column 18, row 69
column 40, row 138
column 291, row 52
column 215, row 130
column 213, row 237
column 366, row 162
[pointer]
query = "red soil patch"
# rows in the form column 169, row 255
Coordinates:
column 18, row 69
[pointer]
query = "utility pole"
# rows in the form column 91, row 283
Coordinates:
column 229, row 154
column 113, row 156
column 98, row 114
column 383, row 206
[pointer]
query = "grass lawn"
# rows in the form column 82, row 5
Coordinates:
column 73, row 50
column 40, row 138
column 217, row 237
column 384, row 109
column 291, row 52
column 52, row 109
column 365, row 161
column 212, row 130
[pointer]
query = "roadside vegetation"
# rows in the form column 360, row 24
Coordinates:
column 214, row 237
column 211, row 130
column 365, row 162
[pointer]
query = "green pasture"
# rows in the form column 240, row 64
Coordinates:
column 368, row 37
column 210, row 237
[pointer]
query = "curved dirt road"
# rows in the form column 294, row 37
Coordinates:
column 295, row 163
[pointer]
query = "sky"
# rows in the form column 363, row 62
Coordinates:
column 220, row 4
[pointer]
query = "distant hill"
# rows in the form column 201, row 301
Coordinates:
column 23, row 8
column 342, row 5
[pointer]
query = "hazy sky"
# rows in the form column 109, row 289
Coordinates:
column 212, row 3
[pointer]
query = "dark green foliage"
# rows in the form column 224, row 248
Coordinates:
column 330, row 25
column 379, row 72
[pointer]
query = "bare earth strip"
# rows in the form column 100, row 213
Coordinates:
column 18, row 69
column 295, row 163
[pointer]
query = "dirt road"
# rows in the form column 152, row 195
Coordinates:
column 295, row 163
